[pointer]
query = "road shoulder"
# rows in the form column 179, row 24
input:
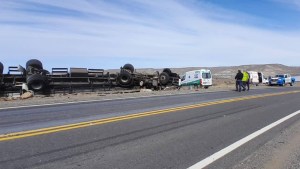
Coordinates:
column 281, row 152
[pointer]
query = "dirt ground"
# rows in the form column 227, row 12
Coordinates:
column 99, row 95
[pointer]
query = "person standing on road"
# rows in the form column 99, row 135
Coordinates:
column 245, row 80
column 238, row 82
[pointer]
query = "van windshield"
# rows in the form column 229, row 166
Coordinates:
column 279, row 76
column 183, row 78
column 206, row 75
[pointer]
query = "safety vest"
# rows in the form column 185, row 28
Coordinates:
column 245, row 77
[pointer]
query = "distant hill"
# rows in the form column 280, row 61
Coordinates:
column 267, row 69
column 230, row 71
column 225, row 75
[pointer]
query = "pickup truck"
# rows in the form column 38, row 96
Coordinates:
column 281, row 80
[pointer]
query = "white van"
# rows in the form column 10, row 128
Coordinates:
column 257, row 78
column 200, row 77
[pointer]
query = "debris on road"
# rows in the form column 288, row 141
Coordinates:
column 27, row 95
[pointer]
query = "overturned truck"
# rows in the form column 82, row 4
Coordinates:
column 34, row 77
column 129, row 78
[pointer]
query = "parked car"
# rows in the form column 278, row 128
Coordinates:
column 281, row 80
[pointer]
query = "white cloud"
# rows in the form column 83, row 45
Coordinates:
column 146, row 33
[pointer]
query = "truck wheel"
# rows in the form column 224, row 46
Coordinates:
column 36, row 82
column 1, row 68
column 205, row 87
column 291, row 84
column 124, row 78
column 164, row 78
column 167, row 70
column 34, row 63
column 129, row 67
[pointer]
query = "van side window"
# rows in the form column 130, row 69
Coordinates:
column 206, row 75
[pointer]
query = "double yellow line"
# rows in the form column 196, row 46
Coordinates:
column 48, row 130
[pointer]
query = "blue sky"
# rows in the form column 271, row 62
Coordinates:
column 150, row 33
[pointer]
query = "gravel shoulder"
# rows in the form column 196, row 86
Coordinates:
column 283, row 151
column 103, row 95
column 14, row 101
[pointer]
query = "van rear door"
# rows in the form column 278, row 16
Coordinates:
column 206, row 78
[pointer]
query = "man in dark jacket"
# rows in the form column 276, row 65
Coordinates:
column 238, row 82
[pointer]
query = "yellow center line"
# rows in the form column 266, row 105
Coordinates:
column 29, row 133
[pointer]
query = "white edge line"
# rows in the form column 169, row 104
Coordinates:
column 205, row 162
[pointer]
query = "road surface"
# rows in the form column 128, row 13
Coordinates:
column 178, row 131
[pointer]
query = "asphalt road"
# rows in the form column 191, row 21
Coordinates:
column 155, row 132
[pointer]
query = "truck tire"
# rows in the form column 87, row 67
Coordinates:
column 164, row 78
column 36, row 82
column 167, row 70
column 34, row 63
column 291, row 84
column 1, row 68
column 129, row 67
column 125, row 78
